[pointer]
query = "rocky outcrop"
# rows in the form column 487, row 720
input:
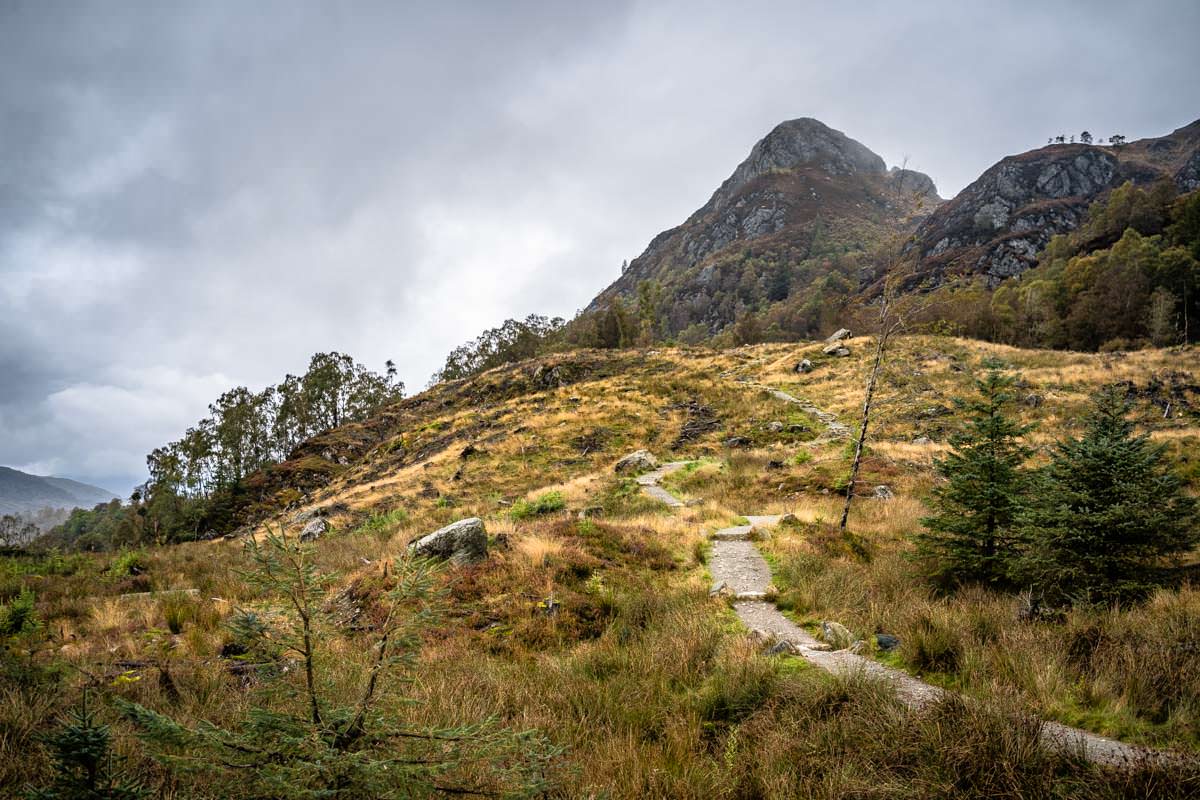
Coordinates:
column 998, row 225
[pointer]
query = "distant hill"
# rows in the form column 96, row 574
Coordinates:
column 22, row 493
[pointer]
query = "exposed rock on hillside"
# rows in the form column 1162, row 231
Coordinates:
column 998, row 224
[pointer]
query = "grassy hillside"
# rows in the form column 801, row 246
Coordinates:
column 591, row 622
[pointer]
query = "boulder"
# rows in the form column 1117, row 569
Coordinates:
column 835, row 635
column 720, row 589
column 737, row 441
column 838, row 335
column 636, row 463
column 783, row 648
column 315, row 528
column 836, row 350
column 922, row 440
column 883, row 492
column 775, row 426
column 803, row 367
column 462, row 542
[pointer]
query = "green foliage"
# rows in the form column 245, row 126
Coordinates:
column 132, row 562
column 514, row 340
column 301, row 744
column 19, row 615
column 1129, row 276
column 1105, row 514
column 84, row 766
column 969, row 537
column 197, row 483
column 545, row 503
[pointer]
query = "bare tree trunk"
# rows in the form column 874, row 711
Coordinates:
column 863, row 425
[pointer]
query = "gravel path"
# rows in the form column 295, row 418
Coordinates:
column 737, row 562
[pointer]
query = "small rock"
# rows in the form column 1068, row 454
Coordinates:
column 922, row 440
column 860, row 648
column 314, row 529
column 839, row 335
column 1034, row 400
column 820, row 647
column 789, row 519
column 886, row 642
column 774, row 465
column 720, row 589
column 783, row 648
column 836, row 635
column 636, row 463
column 884, row 492
column 463, row 542
column 737, row 441
column 775, row 426
column 930, row 412
column 761, row 637
column 804, row 367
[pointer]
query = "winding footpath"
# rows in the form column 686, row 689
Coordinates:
column 737, row 563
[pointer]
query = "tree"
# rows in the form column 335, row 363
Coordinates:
column 85, row 767
column 1085, row 137
column 1106, row 513
column 304, row 745
column 1116, row 140
column 969, row 536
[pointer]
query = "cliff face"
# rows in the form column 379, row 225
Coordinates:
column 998, row 224
column 801, row 181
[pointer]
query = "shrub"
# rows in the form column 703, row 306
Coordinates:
column 19, row 615
column 545, row 503
column 129, row 563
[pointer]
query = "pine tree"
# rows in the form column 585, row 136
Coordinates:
column 969, row 537
column 85, row 768
column 301, row 743
column 1107, row 512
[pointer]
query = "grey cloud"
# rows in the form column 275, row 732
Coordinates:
column 196, row 196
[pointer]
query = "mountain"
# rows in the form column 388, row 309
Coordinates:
column 21, row 492
column 806, row 194
column 997, row 225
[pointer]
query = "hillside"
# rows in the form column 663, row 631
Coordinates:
column 592, row 592
column 998, row 225
column 805, row 194
column 21, row 492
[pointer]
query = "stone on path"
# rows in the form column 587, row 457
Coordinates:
column 636, row 462
column 836, row 635
column 462, row 542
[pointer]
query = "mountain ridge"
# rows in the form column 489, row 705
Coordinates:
column 22, row 492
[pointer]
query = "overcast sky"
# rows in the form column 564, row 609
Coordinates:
column 199, row 195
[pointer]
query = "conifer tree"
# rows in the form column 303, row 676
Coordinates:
column 1107, row 512
column 85, row 767
column 969, row 536
column 306, row 741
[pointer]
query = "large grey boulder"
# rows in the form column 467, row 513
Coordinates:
column 838, row 335
column 636, row 463
column 803, row 367
column 316, row 527
column 462, row 542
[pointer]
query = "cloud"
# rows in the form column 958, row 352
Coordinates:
column 197, row 197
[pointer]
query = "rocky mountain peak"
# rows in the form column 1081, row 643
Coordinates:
column 804, row 142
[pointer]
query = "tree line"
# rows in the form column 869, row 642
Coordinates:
column 194, row 481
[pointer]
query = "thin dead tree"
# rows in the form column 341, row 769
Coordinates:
column 892, row 319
